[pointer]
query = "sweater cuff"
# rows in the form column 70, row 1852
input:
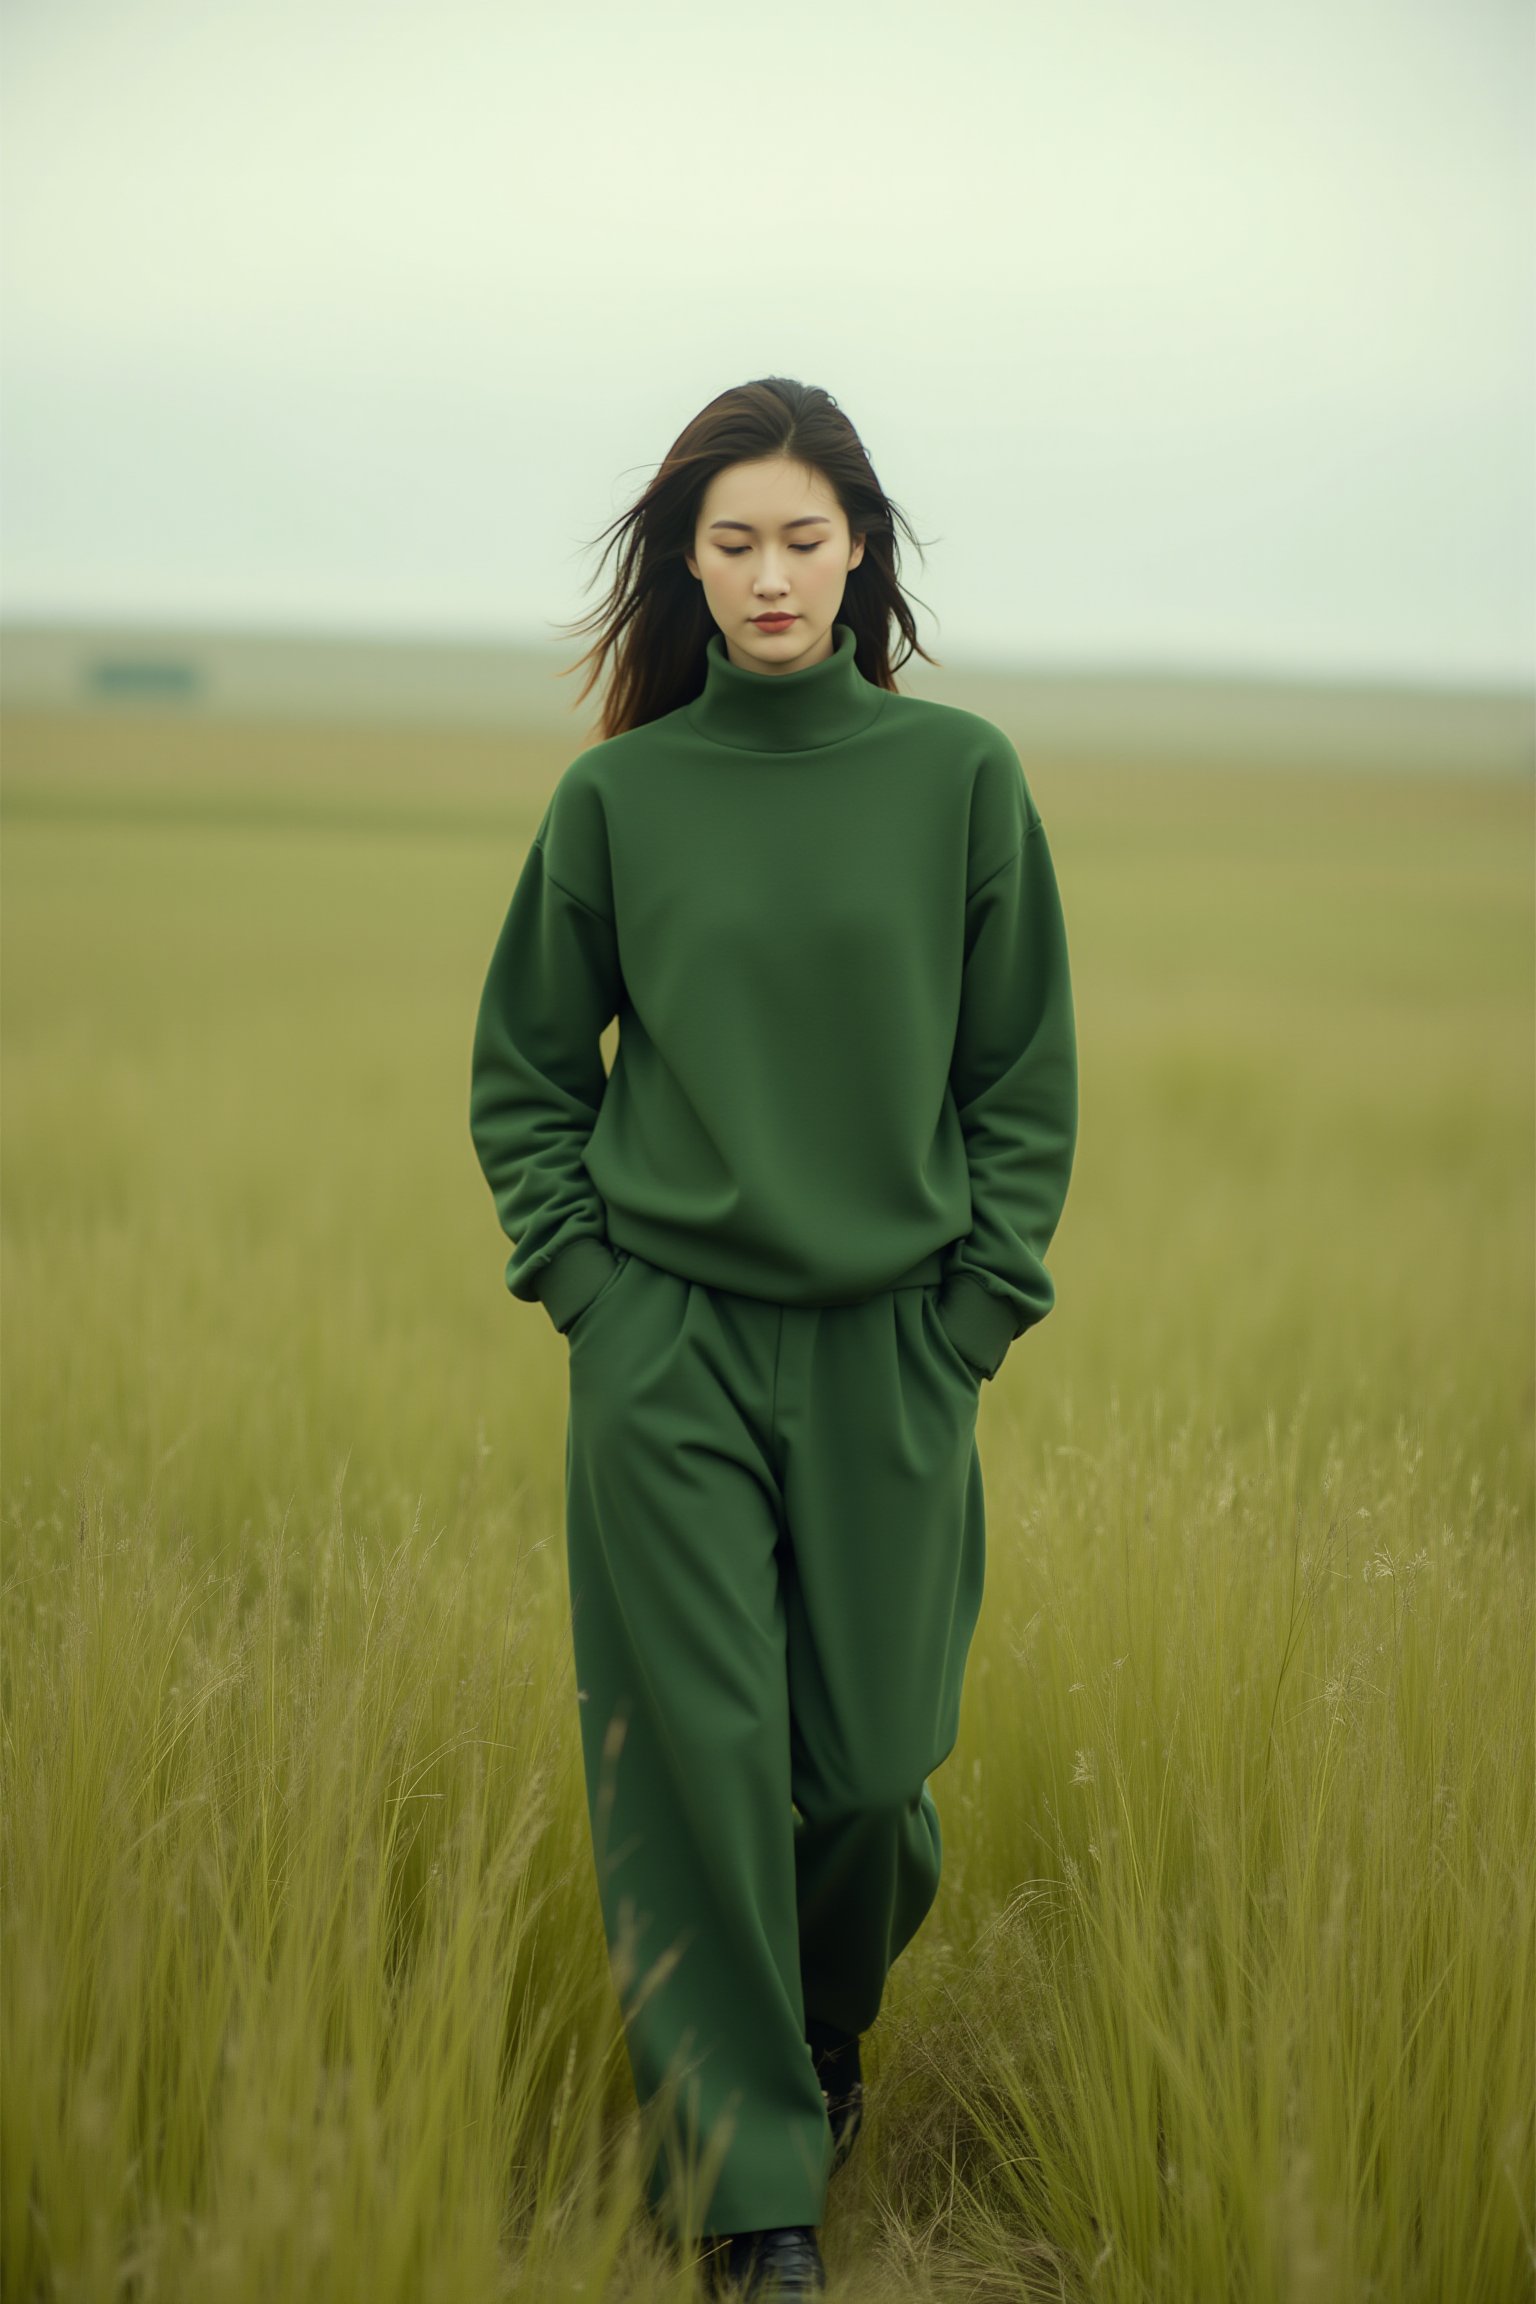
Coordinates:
column 980, row 1324
column 567, row 1284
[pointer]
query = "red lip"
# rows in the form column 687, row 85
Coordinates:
column 773, row 619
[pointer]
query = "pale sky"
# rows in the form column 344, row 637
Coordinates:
column 1187, row 335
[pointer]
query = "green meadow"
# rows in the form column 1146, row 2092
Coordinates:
column 1228, row 1993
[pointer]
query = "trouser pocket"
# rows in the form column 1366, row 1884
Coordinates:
column 948, row 1347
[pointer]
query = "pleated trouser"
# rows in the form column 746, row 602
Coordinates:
column 776, row 1540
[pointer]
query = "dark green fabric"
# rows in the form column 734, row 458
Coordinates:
column 827, row 920
column 569, row 1284
column 787, row 1239
column 776, row 1542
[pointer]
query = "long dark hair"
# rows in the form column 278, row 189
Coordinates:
column 655, row 620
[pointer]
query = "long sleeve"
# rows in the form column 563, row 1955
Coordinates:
column 1014, row 1078
column 537, row 1081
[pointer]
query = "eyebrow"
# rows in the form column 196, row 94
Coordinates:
column 806, row 520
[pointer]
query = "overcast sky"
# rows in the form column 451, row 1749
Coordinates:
column 1187, row 335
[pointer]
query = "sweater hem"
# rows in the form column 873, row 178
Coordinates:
column 927, row 1272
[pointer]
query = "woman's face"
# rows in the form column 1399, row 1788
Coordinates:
column 770, row 537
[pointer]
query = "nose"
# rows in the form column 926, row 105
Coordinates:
column 771, row 582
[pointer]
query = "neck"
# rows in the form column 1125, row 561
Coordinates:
column 785, row 711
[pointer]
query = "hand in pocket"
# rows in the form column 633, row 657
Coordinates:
column 578, row 1325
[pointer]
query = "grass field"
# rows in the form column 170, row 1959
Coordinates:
column 1228, row 1993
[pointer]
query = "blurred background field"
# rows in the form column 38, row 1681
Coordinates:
column 1228, row 1991
column 242, row 965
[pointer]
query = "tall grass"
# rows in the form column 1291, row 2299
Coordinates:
column 1259, row 2020
column 1228, row 1992
column 310, row 2015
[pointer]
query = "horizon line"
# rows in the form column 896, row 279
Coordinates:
column 523, row 639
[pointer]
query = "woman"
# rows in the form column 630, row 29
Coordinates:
column 787, row 1239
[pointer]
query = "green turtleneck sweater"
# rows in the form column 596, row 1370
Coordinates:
column 826, row 918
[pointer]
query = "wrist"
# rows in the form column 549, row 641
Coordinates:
column 569, row 1281
column 980, row 1324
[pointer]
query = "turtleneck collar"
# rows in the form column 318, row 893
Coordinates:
column 785, row 711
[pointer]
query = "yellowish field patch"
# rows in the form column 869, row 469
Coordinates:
column 1228, row 1991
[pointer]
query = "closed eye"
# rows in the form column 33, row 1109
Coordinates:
column 734, row 551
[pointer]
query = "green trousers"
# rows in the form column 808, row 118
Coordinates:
column 776, row 1540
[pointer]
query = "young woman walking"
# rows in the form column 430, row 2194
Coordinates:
column 786, row 1238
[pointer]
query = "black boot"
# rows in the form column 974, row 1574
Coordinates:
column 835, row 2055
column 776, row 2266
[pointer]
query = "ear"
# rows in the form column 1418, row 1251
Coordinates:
column 857, row 554
column 691, row 564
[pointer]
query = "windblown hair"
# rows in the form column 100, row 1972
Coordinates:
column 654, row 619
